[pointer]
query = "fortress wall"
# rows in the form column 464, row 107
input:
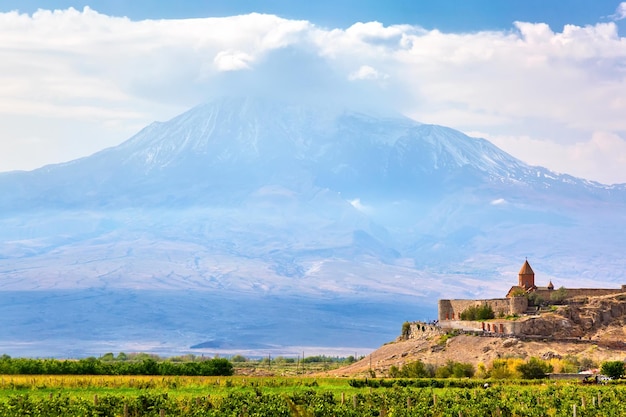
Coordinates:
column 519, row 305
column 465, row 325
column 444, row 309
column 495, row 327
column 500, row 327
column 452, row 309
column 421, row 330
column 591, row 292
column 506, row 306
column 580, row 292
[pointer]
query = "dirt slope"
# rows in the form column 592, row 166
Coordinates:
column 588, row 327
column 472, row 349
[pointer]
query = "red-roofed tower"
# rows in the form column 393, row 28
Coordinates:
column 526, row 276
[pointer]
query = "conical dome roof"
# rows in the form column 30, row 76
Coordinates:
column 526, row 269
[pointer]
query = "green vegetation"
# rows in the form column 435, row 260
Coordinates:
column 237, row 396
column 613, row 369
column 519, row 292
column 535, row 299
column 499, row 370
column 107, row 366
column 417, row 389
column 444, row 338
column 558, row 296
column 419, row 369
column 406, row 330
column 483, row 312
column 534, row 369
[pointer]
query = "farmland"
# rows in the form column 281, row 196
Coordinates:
column 83, row 395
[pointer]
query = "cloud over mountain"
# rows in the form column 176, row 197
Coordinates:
column 555, row 88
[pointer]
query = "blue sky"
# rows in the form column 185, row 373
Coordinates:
column 446, row 15
column 545, row 80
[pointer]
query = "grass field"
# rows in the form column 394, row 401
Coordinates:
column 87, row 386
column 294, row 396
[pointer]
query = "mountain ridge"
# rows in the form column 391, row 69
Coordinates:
column 263, row 199
column 335, row 150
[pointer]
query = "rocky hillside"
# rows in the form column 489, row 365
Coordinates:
column 592, row 328
column 598, row 319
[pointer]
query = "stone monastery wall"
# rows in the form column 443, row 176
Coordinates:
column 452, row 309
column 581, row 292
column 502, row 327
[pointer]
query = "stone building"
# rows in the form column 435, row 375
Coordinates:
column 516, row 302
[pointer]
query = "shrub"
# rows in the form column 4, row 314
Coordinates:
column 455, row 369
column 519, row 292
column 499, row 369
column 483, row 312
column 534, row 369
column 559, row 295
column 444, row 338
column 406, row 330
column 535, row 299
column 415, row 369
column 613, row 369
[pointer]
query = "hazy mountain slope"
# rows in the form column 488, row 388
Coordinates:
column 263, row 200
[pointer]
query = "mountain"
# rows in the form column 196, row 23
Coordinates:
column 247, row 222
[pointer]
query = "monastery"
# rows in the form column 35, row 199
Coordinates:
column 521, row 299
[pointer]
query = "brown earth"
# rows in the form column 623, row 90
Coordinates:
column 472, row 349
column 591, row 328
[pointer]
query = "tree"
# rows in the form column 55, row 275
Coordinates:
column 518, row 292
column 406, row 330
column 483, row 312
column 535, row 299
column 534, row 369
column 463, row 370
column 415, row 369
column 587, row 363
column 150, row 367
column 394, row 372
column 613, row 369
column 558, row 296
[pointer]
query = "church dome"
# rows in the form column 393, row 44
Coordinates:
column 526, row 269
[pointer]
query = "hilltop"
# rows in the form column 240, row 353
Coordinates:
column 591, row 328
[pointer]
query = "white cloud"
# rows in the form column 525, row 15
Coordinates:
column 549, row 98
column 365, row 72
column 620, row 12
column 232, row 60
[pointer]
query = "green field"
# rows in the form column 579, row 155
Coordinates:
column 45, row 395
